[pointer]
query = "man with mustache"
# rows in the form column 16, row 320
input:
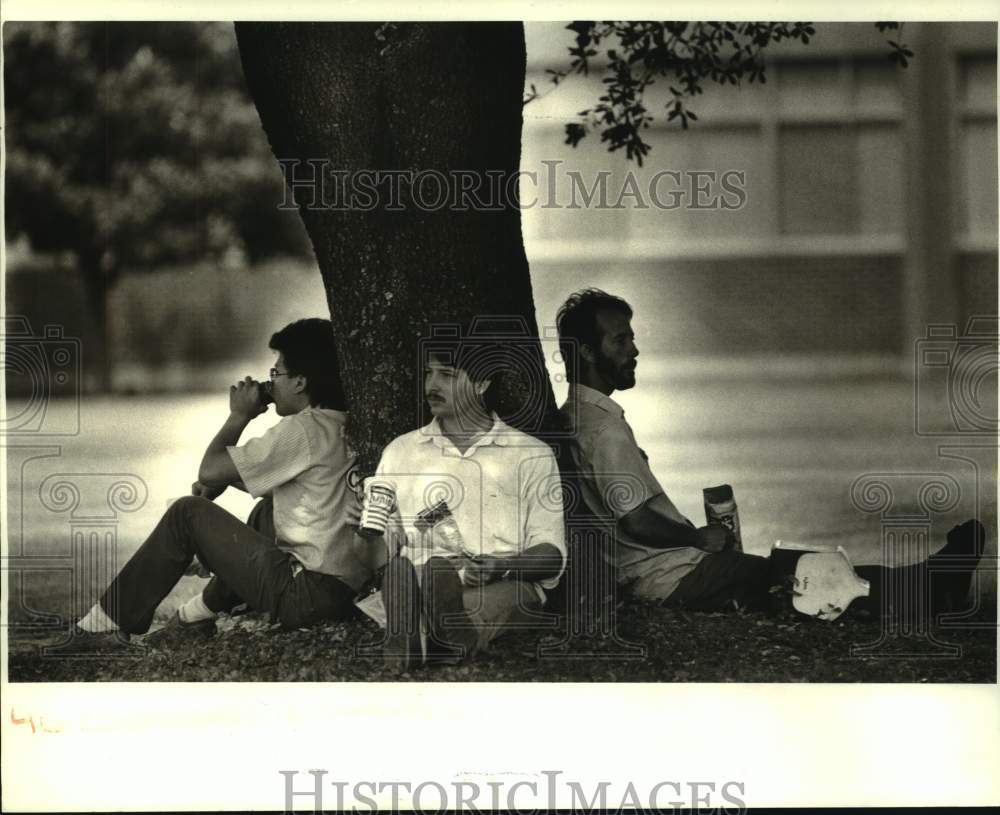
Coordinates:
column 657, row 552
column 296, row 560
column 482, row 566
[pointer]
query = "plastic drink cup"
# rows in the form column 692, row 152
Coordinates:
column 721, row 510
column 444, row 531
column 266, row 397
column 439, row 525
column 379, row 503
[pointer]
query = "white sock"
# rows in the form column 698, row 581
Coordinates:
column 195, row 610
column 97, row 621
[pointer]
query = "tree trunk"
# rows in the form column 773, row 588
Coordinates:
column 404, row 97
column 96, row 358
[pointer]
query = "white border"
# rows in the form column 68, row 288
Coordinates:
column 180, row 747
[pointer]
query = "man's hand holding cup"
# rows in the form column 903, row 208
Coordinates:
column 244, row 398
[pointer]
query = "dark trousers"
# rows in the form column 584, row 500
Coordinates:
column 217, row 595
column 249, row 568
column 724, row 577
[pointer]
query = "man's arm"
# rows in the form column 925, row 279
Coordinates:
column 650, row 525
column 211, row 493
column 217, row 468
column 615, row 461
column 536, row 563
column 543, row 556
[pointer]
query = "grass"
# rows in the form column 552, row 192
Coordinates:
column 651, row 644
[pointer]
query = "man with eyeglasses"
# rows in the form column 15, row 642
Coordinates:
column 294, row 558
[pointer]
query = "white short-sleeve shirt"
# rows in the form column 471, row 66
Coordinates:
column 303, row 463
column 503, row 492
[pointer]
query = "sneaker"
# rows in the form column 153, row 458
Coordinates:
column 452, row 635
column 178, row 632
column 401, row 595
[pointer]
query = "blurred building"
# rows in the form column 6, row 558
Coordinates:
column 867, row 210
column 870, row 200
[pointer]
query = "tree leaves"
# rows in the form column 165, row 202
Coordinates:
column 899, row 54
column 689, row 54
column 574, row 133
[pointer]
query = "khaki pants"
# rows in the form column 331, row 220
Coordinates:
column 504, row 606
column 508, row 605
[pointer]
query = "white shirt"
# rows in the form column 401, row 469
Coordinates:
column 503, row 491
column 303, row 462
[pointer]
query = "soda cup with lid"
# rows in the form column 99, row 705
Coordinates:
column 379, row 503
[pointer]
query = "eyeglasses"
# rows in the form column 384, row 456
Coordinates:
column 275, row 373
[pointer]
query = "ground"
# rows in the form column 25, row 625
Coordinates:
column 678, row 647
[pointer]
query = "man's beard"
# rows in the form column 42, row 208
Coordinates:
column 627, row 379
column 621, row 377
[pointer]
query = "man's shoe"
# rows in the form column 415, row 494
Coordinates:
column 966, row 540
column 178, row 632
column 957, row 562
column 452, row 636
column 102, row 642
column 401, row 597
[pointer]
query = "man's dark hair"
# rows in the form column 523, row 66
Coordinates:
column 309, row 350
column 576, row 322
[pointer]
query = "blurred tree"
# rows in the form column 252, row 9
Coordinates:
column 135, row 145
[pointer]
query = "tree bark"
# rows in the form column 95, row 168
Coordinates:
column 404, row 97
